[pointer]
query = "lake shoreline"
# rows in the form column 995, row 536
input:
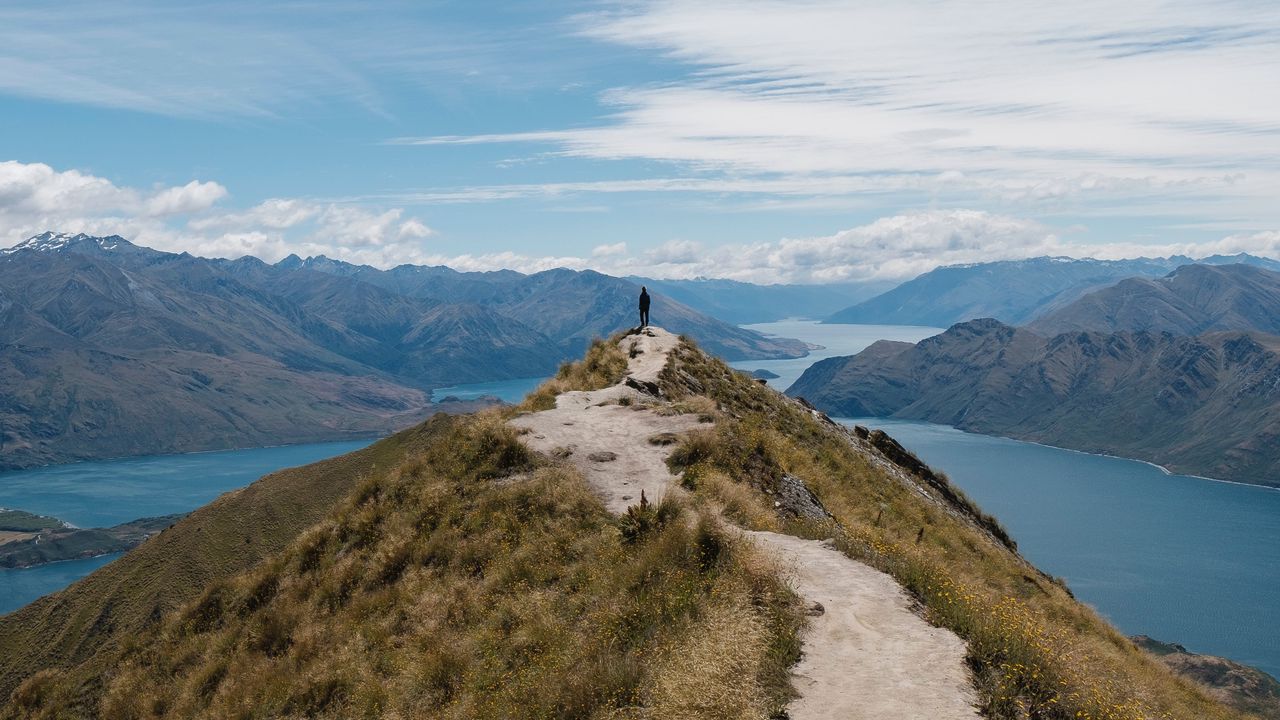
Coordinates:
column 111, row 493
column 1155, row 552
column 4, row 470
column 1155, row 465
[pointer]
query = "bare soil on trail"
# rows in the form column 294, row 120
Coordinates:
column 866, row 655
column 608, row 442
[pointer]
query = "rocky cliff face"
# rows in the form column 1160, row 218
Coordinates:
column 1208, row 405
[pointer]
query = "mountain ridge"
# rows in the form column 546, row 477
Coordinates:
column 1133, row 394
column 1191, row 300
column 110, row 349
column 1012, row 291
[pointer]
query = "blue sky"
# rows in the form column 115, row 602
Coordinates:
column 768, row 141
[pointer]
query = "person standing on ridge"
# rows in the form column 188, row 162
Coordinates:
column 644, row 306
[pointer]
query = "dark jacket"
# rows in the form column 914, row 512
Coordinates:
column 644, row 300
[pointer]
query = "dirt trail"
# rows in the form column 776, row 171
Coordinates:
column 867, row 655
column 608, row 442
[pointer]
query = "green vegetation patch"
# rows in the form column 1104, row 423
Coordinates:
column 23, row 521
column 70, row 543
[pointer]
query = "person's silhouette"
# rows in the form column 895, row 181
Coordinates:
column 644, row 306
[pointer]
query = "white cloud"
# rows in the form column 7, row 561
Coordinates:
column 192, row 197
column 273, row 213
column 602, row 251
column 35, row 197
column 898, row 247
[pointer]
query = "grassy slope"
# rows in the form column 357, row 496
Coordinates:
column 446, row 585
column 85, row 622
column 1036, row 651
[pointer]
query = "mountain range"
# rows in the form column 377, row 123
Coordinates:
column 110, row 349
column 1126, row 378
column 1191, row 300
column 1012, row 291
column 742, row 303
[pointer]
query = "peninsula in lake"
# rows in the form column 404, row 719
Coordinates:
column 1182, row 371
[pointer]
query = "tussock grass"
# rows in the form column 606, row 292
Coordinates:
column 704, row 407
column 742, row 505
column 605, row 364
column 1035, row 651
column 467, row 581
column 79, row 632
column 700, row 671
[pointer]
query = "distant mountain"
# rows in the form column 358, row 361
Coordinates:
column 572, row 306
column 153, row 352
column 742, row 303
column 1208, row 405
column 1191, row 300
column 110, row 349
column 1012, row 291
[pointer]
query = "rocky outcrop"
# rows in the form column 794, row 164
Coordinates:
column 1243, row 687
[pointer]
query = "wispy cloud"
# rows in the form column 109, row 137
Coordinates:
column 1023, row 104
column 239, row 58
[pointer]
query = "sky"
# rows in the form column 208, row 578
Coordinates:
column 800, row 141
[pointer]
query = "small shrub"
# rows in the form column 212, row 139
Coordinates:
column 272, row 634
column 645, row 517
column 35, row 690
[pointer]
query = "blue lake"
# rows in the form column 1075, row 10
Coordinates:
column 511, row 391
column 834, row 339
column 101, row 494
column 1181, row 559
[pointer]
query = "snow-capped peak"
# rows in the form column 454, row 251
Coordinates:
column 54, row 242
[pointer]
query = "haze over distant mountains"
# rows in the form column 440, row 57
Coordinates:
column 1012, row 291
column 1183, row 371
column 110, row 349
column 743, row 303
